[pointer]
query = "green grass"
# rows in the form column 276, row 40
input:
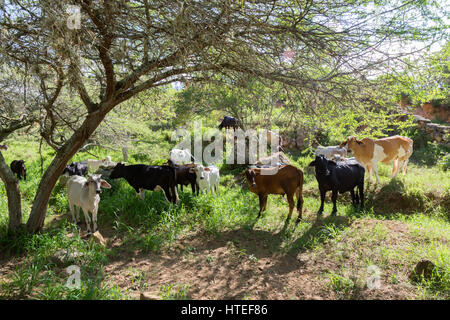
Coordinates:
column 419, row 202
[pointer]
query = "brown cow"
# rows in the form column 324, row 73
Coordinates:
column 368, row 152
column 282, row 180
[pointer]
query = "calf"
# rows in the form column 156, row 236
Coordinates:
column 228, row 122
column 203, row 177
column 341, row 177
column 142, row 177
column 178, row 156
column 185, row 175
column 331, row 151
column 368, row 152
column 18, row 167
column 214, row 178
column 285, row 180
column 85, row 194
column 94, row 165
column 76, row 168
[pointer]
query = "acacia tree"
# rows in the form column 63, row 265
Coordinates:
column 94, row 55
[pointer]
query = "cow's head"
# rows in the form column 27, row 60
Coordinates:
column 321, row 165
column 351, row 143
column 250, row 176
column 201, row 172
column 118, row 171
column 95, row 182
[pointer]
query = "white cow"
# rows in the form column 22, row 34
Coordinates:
column 85, row 193
column 207, row 177
column 331, row 151
column 179, row 156
column 202, row 174
column 214, row 177
column 93, row 165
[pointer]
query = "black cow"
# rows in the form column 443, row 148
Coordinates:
column 76, row 168
column 143, row 177
column 18, row 167
column 228, row 122
column 339, row 177
column 186, row 175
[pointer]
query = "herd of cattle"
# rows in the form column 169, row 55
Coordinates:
column 334, row 172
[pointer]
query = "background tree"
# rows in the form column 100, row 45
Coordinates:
column 117, row 49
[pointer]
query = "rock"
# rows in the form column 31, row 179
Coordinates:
column 424, row 267
column 98, row 238
column 65, row 257
column 149, row 296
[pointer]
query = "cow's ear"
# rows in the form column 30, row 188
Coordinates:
column 312, row 164
column 359, row 142
column 105, row 184
column 207, row 169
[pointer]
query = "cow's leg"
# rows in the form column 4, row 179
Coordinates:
column 290, row 198
column 375, row 169
column 262, row 204
column 94, row 218
column 167, row 196
column 299, row 203
column 405, row 164
column 72, row 209
column 352, row 193
column 322, row 200
column 361, row 193
column 174, row 194
column 394, row 168
column 88, row 220
column 334, row 198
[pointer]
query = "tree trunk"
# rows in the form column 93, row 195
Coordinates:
column 13, row 194
column 65, row 153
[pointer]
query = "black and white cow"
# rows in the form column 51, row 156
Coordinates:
column 143, row 177
column 76, row 168
column 339, row 178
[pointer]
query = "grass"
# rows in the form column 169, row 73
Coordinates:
column 405, row 219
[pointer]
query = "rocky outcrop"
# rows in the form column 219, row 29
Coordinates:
column 437, row 132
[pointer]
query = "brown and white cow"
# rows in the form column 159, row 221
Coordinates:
column 368, row 152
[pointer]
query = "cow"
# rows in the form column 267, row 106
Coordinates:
column 330, row 151
column 185, row 175
column 228, row 122
column 76, row 168
column 85, row 194
column 143, row 177
column 18, row 167
column 369, row 151
column 339, row 178
column 207, row 177
column 277, row 157
column 286, row 179
column 4, row 147
column 178, row 156
column 94, row 165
